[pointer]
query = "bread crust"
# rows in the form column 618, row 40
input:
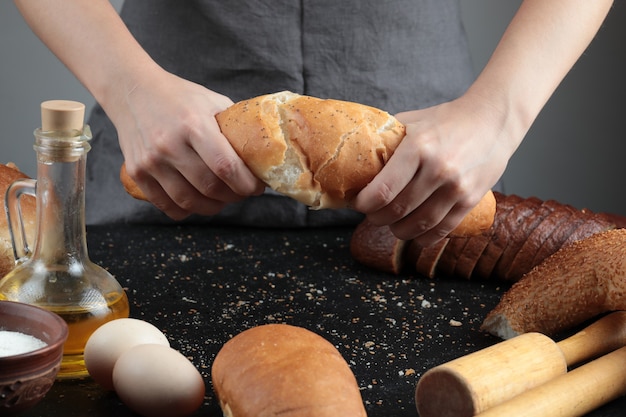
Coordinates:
column 479, row 219
column 130, row 186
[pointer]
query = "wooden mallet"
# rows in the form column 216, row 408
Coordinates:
column 573, row 394
column 469, row 385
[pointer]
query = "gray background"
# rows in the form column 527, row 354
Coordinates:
column 573, row 153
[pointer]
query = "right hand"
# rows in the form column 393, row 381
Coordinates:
column 174, row 150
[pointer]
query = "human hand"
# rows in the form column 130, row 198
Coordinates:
column 174, row 150
column 451, row 156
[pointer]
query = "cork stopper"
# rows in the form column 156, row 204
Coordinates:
column 62, row 115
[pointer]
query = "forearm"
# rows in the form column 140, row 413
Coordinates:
column 89, row 37
column 541, row 44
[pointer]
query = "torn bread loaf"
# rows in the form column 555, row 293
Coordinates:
column 319, row 152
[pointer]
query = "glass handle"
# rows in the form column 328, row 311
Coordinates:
column 15, row 220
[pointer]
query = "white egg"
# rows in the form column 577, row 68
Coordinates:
column 112, row 339
column 155, row 381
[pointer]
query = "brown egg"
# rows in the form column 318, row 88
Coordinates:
column 156, row 380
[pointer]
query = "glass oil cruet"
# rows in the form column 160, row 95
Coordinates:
column 57, row 273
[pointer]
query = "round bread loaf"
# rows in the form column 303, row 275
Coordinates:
column 8, row 174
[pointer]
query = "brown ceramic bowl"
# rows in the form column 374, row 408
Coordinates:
column 26, row 378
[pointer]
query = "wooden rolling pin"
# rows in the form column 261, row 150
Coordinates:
column 571, row 395
column 476, row 382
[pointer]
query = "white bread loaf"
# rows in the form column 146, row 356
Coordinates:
column 8, row 174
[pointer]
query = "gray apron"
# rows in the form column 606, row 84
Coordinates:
column 395, row 55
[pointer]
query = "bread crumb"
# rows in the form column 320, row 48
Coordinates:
column 455, row 323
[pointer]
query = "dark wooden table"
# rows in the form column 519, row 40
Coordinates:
column 202, row 285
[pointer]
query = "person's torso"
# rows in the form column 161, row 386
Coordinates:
column 393, row 54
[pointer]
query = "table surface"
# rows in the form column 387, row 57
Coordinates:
column 202, row 285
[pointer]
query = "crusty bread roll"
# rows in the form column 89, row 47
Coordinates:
column 8, row 174
column 319, row 152
column 578, row 282
column 279, row 369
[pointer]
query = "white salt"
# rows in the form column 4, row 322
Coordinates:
column 16, row 343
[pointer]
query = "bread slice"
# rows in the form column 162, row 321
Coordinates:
column 594, row 223
column 519, row 224
column 428, row 259
column 378, row 248
column 556, row 240
column 499, row 238
column 471, row 254
column 522, row 262
column 448, row 260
